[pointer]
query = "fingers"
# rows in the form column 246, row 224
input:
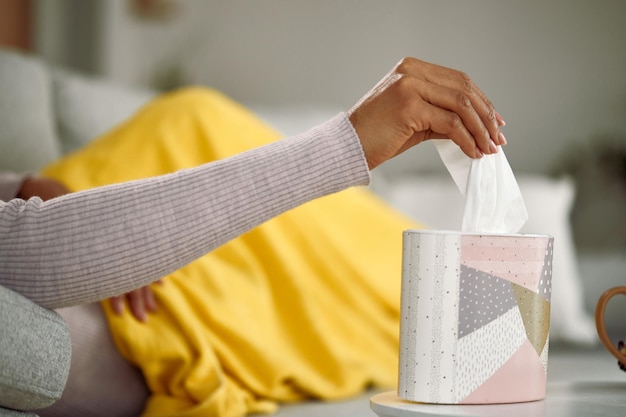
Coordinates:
column 140, row 301
column 483, row 107
column 455, row 91
column 460, row 81
column 501, row 123
column 117, row 304
column 453, row 114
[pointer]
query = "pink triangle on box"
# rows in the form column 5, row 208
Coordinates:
column 521, row 378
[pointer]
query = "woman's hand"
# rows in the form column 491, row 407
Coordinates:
column 140, row 301
column 418, row 101
column 44, row 188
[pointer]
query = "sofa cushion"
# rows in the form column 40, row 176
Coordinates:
column 5, row 412
column 34, row 352
column 88, row 107
column 27, row 134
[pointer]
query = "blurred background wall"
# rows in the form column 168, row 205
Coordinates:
column 555, row 69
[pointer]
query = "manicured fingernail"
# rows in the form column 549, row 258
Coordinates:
column 493, row 148
column 478, row 153
column 500, row 120
column 502, row 138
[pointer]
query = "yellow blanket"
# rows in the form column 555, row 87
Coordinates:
column 304, row 306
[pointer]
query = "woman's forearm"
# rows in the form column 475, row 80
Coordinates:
column 88, row 246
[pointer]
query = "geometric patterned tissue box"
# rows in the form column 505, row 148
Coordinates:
column 475, row 317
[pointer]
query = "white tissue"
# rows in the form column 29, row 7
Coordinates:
column 493, row 200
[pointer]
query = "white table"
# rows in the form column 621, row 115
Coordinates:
column 585, row 383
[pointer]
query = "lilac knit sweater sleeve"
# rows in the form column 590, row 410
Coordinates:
column 91, row 245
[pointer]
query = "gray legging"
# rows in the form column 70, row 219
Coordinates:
column 101, row 383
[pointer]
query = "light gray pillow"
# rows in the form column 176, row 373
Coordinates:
column 27, row 135
column 88, row 107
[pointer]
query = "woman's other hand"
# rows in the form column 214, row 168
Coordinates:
column 140, row 301
column 418, row 101
column 44, row 188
